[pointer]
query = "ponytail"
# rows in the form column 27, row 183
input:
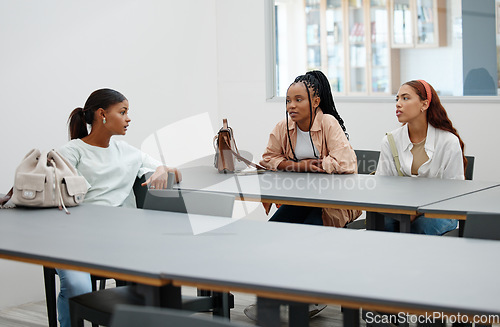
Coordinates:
column 77, row 124
column 81, row 117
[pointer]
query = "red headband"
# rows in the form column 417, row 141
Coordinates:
column 427, row 90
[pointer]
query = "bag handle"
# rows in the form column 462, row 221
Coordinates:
column 395, row 154
column 225, row 128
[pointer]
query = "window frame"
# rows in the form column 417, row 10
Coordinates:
column 270, row 49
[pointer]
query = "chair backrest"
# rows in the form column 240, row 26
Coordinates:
column 197, row 202
column 469, row 171
column 132, row 316
column 367, row 161
column 139, row 190
column 484, row 226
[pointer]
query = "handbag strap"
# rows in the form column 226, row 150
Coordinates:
column 58, row 188
column 6, row 198
column 241, row 158
column 232, row 140
column 395, row 154
column 227, row 142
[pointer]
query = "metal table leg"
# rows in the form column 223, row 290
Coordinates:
column 268, row 312
column 404, row 223
column 167, row 296
column 374, row 221
column 298, row 314
column 350, row 317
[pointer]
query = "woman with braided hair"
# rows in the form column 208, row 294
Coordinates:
column 427, row 145
column 312, row 138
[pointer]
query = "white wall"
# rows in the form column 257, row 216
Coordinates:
column 172, row 59
column 162, row 55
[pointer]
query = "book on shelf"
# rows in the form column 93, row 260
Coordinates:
column 357, row 33
column 373, row 31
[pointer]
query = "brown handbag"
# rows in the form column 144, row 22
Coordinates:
column 226, row 151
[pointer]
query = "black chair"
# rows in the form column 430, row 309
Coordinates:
column 367, row 164
column 367, row 161
column 132, row 316
column 49, row 274
column 98, row 306
column 140, row 191
column 483, row 226
column 469, row 173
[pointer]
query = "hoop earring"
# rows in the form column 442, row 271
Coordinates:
column 104, row 121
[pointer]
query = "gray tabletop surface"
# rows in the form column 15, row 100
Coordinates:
column 334, row 264
column 361, row 191
column 484, row 201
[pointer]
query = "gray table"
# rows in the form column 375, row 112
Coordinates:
column 267, row 259
column 159, row 248
column 387, row 194
column 328, row 265
column 484, row 201
column 93, row 239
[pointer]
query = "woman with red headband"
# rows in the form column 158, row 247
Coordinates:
column 427, row 146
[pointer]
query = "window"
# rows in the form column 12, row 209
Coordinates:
column 370, row 47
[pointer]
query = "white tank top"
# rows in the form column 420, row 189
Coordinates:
column 304, row 147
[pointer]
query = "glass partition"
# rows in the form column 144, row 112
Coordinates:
column 426, row 22
column 367, row 47
column 313, row 37
column 357, row 47
column 380, row 54
column 402, row 24
column 335, row 45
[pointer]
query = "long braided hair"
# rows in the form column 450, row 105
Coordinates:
column 320, row 86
